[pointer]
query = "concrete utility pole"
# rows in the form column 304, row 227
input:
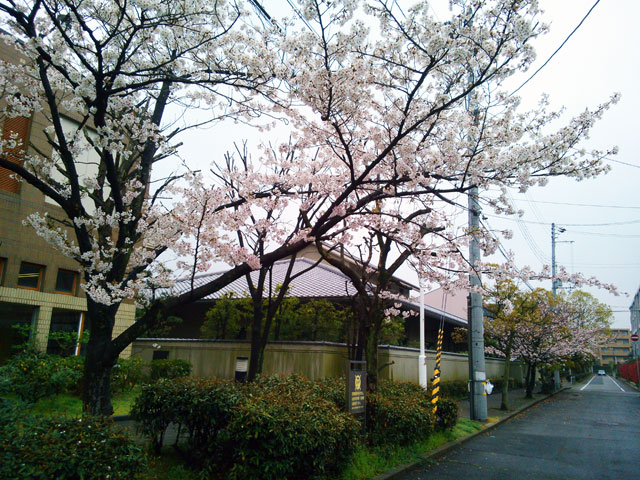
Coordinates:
column 554, row 235
column 554, row 287
column 477, row 370
column 422, row 359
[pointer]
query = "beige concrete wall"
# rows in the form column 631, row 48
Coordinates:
column 216, row 358
column 313, row 360
column 454, row 366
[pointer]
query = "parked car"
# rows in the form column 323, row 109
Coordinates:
column 601, row 372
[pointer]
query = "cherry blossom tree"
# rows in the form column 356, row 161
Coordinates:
column 105, row 76
column 554, row 331
column 506, row 308
column 382, row 105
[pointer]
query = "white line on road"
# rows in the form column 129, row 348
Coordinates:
column 585, row 386
column 616, row 383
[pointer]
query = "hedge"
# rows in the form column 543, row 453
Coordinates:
column 273, row 428
column 80, row 448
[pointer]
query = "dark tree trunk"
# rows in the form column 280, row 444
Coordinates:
column 257, row 353
column 372, row 360
column 99, row 360
column 531, row 381
column 504, row 405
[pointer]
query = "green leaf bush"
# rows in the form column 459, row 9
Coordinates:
column 514, row 383
column 285, row 429
column 273, row 428
column 170, row 368
column 127, row 373
column 80, row 448
column 456, row 389
column 32, row 375
column 398, row 414
column 446, row 414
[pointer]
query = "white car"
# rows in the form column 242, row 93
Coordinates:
column 601, row 372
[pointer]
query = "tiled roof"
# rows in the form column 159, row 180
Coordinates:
column 321, row 281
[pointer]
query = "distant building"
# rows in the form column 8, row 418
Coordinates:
column 616, row 348
column 39, row 287
column 634, row 310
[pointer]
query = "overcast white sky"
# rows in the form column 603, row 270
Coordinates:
column 601, row 216
column 602, row 57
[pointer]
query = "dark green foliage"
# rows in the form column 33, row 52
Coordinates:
column 514, row 383
column 126, row 374
column 200, row 406
column 173, row 368
column 446, row 414
column 80, row 448
column 456, row 389
column 398, row 414
column 273, row 428
column 285, row 429
column 32, row 375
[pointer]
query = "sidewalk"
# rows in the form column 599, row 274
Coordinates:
column 494, row 414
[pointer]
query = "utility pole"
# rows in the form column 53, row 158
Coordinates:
column 422, row 359
column 477, row 370
column 554, row 287
column 554, row 235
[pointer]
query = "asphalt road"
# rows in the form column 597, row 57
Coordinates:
column 591, row 431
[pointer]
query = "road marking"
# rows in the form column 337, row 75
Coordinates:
column 585, row 386
column 616, row 383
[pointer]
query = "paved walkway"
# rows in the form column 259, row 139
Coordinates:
column 494, row 414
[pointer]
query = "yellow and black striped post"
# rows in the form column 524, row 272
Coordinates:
column 435, row 391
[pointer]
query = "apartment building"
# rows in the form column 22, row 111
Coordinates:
column 634, row 311
column 39, row 287
column 616, row 349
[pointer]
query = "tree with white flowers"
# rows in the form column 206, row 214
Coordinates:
column 377, row 106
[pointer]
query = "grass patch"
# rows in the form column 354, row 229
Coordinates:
column 65, row 405
column 367, row 463
column 168, row 467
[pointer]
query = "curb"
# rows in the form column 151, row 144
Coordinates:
column 443, row 449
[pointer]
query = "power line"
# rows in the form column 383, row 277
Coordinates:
column 630, row 222
column 557, row 50
column 576, row 204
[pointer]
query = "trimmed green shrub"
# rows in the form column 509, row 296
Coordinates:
column 126, row 374
column 32, row 375
column 285, row 430
column 456, row 389
column 514, row 383
column 398, row 414
column 173, row 368
column 80, row 448
column 273, row 428
column 446, row 414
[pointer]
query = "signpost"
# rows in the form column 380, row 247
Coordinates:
column 356, row 389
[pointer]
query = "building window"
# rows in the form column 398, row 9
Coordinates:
column 160, row 355
column 30, row 276
column 13, row 129
column 64, row 332
column 66, row 282
column 3, row 267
